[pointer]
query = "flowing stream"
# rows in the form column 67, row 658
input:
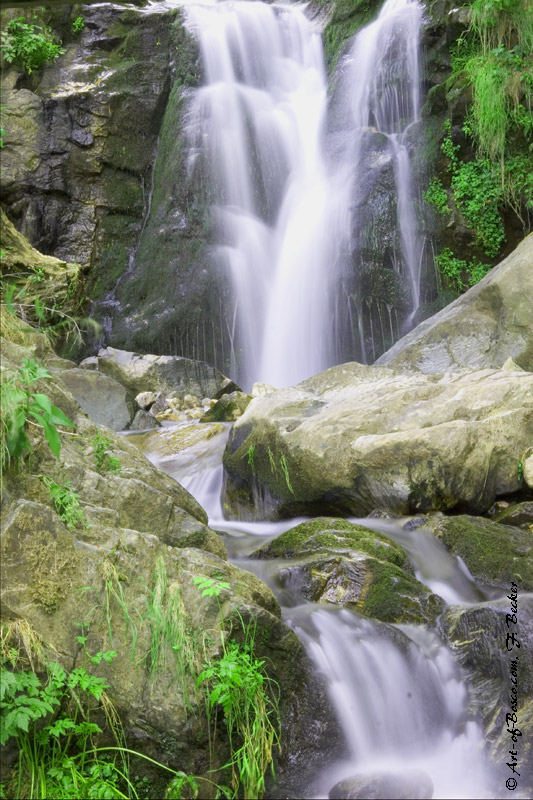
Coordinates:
column 399, row 697
column 285, row 176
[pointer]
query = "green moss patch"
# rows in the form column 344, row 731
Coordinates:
column 494, row 553
column 326, row 533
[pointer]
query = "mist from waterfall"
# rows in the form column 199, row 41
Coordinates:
column 284, row 200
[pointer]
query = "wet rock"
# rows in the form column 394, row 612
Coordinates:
column 478, row 635
column 143, row 421
column 484, row 327
column 229, row 408
column 494, row 553
column 168, row 375
column 411, row 784
column 160, row 405
column 335, row 561
column 172, row 440
column 519, row 514
column 102, row 398
column 355, row 438
column 144, row 399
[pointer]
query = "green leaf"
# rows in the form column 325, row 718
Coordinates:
column 52, row 437
column 57, row 417
column 43, row 402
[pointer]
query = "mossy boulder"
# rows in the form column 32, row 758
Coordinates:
column 494, row 553
column 142, row 540
column 335, row 561
column 517, row 514
column 355, row 438
column 172, row 440
column 228, row 408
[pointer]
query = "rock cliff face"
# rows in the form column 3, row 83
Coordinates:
column 93, row 172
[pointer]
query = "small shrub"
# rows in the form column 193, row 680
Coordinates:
column 104, row 462
column 436, row 196
column 78, row 25
column 458, row 273
column 28, row 45
column 19, row 406
column 66, row 503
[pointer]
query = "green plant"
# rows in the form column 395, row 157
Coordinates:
column 520, row 470
column 29, row 302
column 20, row 406
column 171, row 631
column 477, row 192
column 285, row 471
column 436, row 196
column 239, row 685
column 250, row 454
column 49, row 719
column 492, row 59
column 113, row 591
column 458, row 273
column 28, row 45
column 78, row 24
column 66, row 503
column 103, row 460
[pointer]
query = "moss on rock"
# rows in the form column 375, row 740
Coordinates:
column 336, row 561
column 494, row 553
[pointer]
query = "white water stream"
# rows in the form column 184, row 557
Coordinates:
column 397, row 693
column 281, row 199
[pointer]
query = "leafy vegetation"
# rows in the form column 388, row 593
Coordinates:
column 66, row 503
column 28, row 45
column 459, row 274
column 78, row 24
column 493, row 59
column 104, row 461
column 436, row 196
column 20, row 407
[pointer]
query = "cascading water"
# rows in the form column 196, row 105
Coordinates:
column 285, row 196
column 257, row 126
column 375, row 108
column 399, row 697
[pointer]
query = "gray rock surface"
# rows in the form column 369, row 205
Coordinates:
column 104, row 400
column 491, row 322
column 356, row 438
column 169, row 375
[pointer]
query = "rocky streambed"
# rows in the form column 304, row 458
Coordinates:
column 374, row 523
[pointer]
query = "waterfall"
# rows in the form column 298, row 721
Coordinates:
column 400, row 701
column 286, row 187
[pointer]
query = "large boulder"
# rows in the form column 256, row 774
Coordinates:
column 102, row 398
column 484, row 327
column 500, row 675
column 356, row 438
column 124, row 569
column 171, row 375
column 495, row 554
column 334, row 561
